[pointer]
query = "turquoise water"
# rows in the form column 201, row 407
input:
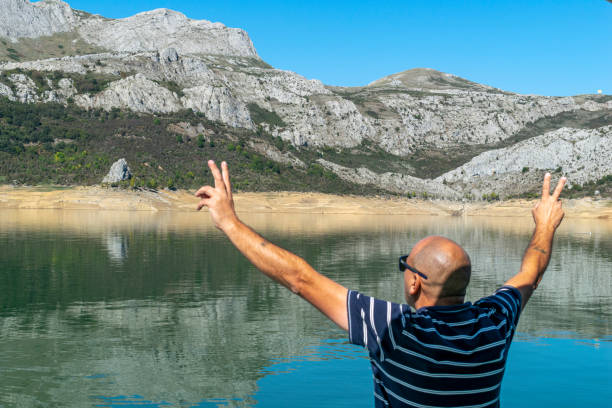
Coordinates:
column 154, row 310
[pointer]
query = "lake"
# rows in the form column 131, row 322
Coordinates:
column 159, row 310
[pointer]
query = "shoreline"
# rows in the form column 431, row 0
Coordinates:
column 115, row 199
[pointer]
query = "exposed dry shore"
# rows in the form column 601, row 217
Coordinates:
column 98, row 198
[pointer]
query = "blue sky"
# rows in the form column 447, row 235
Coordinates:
column 545, row 47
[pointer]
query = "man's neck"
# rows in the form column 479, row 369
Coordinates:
column 445, row 301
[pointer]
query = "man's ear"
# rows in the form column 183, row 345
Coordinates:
column 414, row 285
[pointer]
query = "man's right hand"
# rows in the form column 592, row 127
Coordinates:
column 548, row 212
column 547, row 215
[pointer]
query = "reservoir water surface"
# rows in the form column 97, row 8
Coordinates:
column 159, row 310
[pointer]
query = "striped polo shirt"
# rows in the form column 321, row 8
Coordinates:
column 438, row 356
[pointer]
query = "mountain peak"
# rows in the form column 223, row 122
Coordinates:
column 147, row 31
column 429, row 79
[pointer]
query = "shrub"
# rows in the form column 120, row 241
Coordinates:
column 201, row 141
column 152, row 183
column 91, row 82
column 315, row 170
column 59, row 157
column 279, row 143
column 491, row 197
column 257, row 164
column 525, row 170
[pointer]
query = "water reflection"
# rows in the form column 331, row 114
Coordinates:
column 116, row 246
column 95, row 307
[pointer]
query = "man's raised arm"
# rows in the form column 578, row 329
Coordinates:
column 284, row 267
column 547, row 215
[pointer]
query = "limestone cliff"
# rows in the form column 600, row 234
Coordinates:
column 151, row 30
column 583, row 154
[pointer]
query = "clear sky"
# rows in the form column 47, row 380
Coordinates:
column 546, row 47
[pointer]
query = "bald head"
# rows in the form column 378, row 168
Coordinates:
column 446, row 265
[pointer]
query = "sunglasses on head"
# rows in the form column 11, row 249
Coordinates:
column 403, row 266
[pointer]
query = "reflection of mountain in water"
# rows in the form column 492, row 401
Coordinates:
column 184, row 317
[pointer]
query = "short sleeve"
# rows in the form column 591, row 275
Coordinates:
column 507, row 301
column 371, row 323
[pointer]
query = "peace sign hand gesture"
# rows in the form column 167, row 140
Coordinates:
column 218, row 199
column 548, row 213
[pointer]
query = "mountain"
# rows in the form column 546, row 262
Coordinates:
column 408, row 133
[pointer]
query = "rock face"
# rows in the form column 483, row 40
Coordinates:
column 119, row 171
column 135, row 92
column 21, row 18
column 169, row 55
column 163, row 28
column 582, row 154
column 148, row 31
column 7, row 92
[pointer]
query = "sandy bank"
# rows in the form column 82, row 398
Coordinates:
column 98, row 198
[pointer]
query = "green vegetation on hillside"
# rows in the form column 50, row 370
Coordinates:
column 54, row 144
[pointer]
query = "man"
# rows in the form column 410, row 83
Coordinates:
column 447, row 353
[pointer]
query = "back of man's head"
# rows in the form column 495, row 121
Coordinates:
column 447, row 267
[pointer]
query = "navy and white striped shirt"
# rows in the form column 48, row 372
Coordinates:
column 438, row 356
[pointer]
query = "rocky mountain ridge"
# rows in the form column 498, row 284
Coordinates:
column 409, row 131
column 146, row 31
